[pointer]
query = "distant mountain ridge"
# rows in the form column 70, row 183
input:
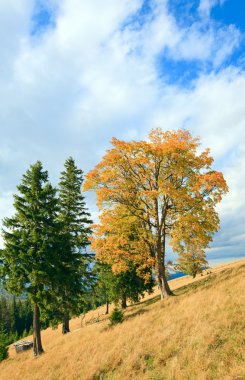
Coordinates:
column 176, row 275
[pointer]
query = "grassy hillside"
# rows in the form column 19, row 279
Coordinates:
column 198, row 334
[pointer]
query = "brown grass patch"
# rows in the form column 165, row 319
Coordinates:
column 198, row 334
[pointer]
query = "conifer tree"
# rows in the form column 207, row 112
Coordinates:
column 3, row 345
column 129, row 285
column 75, row 221
column 118, row 287
column 102, row 289
column 32, row 240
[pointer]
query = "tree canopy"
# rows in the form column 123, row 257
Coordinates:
column 167, row 186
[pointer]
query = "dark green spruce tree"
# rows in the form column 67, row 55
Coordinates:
column 102, row 290
column 119, row 288
column 3, row 345
column 75, row 220
column 32, row 241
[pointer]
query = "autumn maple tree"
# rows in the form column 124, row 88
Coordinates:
column 192, row 261
column 155, row 190
column 118, row 242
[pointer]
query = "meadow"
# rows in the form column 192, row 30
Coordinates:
column 197, row 334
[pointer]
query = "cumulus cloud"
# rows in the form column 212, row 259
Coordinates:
column 206, row 6
column 202, row 40
column 68, row 86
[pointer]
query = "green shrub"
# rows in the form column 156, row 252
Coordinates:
column 116, row 316
column 3, row 352
column 3, row 346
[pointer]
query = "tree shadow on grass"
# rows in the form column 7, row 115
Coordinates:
column 150, row 301
column 192, row 288
column 126, row 318
column 144, row 303
column 135, row 313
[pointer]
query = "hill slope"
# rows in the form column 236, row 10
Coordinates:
column 198, row 334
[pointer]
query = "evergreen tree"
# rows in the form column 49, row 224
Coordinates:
column 15, row 318
column 102, row 289
column 129, row 285
column 117, row 288
column 75, row 221
column 3, row 345
column 13, row 315
column 31, row 240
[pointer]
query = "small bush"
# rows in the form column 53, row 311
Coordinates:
column 3, row 346
column 116, row 316
column 3, row 352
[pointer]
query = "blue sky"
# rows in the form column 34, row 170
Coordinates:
column 75, row 73
column 43, row 18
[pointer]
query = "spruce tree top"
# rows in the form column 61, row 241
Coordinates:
column 30, row 236
column 73, row 212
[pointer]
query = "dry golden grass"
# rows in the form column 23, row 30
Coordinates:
column 198, row 334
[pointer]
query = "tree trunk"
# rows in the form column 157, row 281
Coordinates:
column 161, row 271
column 107, row 307
column 124, row 301
column 37, row 343
column 162, row 282
column 66, row 323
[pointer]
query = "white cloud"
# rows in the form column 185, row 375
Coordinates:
column 206, row 6
column 94, row 76
column 214, row 45
column 203, row 40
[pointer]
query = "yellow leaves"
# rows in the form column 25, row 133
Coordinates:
column 194, row 229
column 141, row 185
column 205, row 158
column 119, row 267
column 213, row 184
column 91, row 180
column 118, row 240
column 152, row 168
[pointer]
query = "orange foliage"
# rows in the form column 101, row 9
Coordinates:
column 119, row 240
column 162, row 187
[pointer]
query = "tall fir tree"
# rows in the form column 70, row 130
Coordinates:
column 32, row 240
column 75, row 221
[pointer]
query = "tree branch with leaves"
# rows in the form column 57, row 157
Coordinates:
column 164, row 183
